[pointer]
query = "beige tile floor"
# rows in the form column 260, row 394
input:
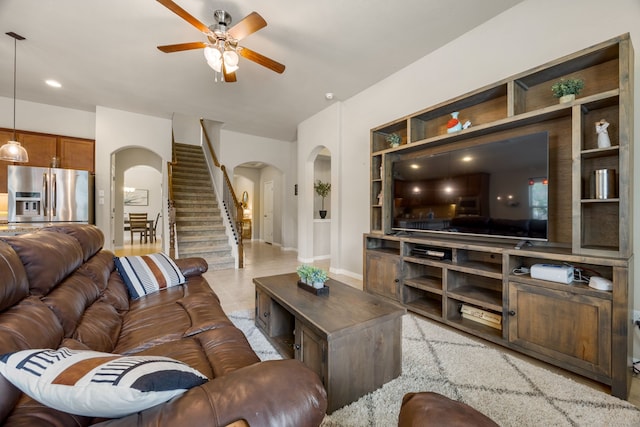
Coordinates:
column 236, row 291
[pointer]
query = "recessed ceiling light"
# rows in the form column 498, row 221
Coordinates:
column 328, row 96
column 467, row 158
column 53, row 83
column 415, row 166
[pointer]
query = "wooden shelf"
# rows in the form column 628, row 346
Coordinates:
column 591, row 234
column 426, row 283
column 485, row 298
column 426, row 307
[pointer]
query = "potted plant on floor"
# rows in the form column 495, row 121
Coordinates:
column 322, row 189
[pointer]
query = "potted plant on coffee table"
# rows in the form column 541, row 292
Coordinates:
column 322, row 189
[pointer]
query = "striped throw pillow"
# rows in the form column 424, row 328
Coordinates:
column 95, row 384
column 148, row 273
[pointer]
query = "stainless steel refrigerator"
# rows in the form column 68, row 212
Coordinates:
column 49, row 195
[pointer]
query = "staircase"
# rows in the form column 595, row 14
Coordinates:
column 199, row 228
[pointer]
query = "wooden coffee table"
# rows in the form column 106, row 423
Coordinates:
column 351, row 339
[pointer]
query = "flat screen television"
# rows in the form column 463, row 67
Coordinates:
column 494, row 189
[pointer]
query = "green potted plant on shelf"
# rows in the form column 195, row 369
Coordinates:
column 393, row 139
column 322, row 189
column 567, row 89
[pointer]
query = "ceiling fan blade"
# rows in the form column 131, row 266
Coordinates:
column 170, row 48
column 228, row 77
column 248, row 25
column 261, row 59
column 184, row 15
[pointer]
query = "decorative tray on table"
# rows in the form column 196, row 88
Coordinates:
column 316, row 291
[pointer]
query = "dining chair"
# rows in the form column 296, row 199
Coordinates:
column 138, row 224
column 152, row 232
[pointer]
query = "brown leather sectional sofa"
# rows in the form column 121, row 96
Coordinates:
column 58, row 287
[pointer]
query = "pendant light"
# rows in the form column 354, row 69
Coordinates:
column 12, row 151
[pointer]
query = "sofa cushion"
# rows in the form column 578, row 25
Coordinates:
column 47, row 258
column 148, row 273
column 97, row 384
column 100, row 327
column 15, row 285
column 98, row 268
column 116, row 293
column 70, row 299
column 90, row 238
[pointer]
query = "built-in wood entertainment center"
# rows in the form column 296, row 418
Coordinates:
column 439, row 275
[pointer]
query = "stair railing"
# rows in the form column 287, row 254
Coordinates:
column 171, row 208
column 233, row 207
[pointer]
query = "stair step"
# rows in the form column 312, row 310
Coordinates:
column 202, row 220
column 205, row 252
column 204, row 196
column 214, row 239
column 199, row 228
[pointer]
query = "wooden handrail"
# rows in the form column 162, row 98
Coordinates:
column 211, row 150
column 171, row 208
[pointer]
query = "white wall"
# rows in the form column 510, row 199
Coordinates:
column 117, row 130
column 47, row 119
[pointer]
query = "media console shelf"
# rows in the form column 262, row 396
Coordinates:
column 468, row 282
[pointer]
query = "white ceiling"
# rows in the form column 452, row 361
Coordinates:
column 104, row 53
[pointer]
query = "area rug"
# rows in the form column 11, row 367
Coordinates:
column 509, row 390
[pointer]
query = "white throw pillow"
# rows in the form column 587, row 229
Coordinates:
column 148, row 273
column 96, row 384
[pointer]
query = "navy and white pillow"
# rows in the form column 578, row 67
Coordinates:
column 97, row 384
column 146, row 274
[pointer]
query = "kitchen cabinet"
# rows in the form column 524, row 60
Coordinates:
column 73, row 153
column 76, row 153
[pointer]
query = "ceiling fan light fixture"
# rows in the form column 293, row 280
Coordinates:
column 214, row 58
column 230, row 58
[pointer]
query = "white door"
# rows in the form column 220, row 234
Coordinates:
column 267, row 224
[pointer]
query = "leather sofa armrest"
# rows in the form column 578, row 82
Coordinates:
column 278, row 392
column 193, row 266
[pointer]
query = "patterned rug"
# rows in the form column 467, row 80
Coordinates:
column 509, row 390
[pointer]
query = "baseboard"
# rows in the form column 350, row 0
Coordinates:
column 346, row 273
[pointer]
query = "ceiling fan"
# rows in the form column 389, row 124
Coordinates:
column 222, row 48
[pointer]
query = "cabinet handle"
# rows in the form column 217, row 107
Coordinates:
column 266, row 314
column 512, row 313
column 397, row 280
column 296, row 346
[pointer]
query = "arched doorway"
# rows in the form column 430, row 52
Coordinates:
column 143, row 168
column 264, row 212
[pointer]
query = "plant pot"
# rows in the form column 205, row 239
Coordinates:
column 567, row 98
column 323, row 214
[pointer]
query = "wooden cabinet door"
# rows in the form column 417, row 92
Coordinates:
column 382, row 274
column 263, row 312
column 311, row 350
column 574, row 329
column 77, row 154
column 40, row 148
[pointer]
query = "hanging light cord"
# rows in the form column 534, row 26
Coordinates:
column 15, row 57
